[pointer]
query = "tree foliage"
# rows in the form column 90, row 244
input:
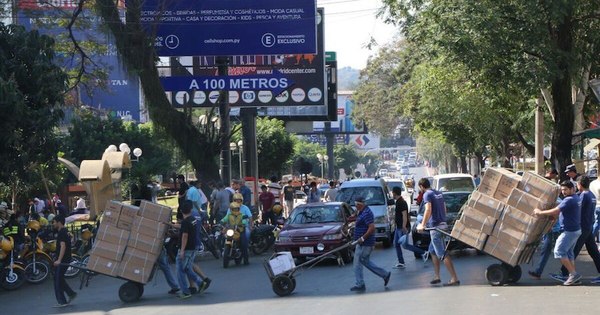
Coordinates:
column 275, row 146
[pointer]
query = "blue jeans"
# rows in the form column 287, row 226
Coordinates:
column 437, row 246
column 362, row 257
column 565, row 245
column 404, row 241
column 163, row 264
column 185, row 270
column 597, row 223
column 398, row 244
column 546, row 250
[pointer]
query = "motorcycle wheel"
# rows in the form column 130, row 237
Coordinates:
column 73, row 272
column 283, row 285
column 226, row 257
column 41, row 272
column 12, row 281
column 261, row 245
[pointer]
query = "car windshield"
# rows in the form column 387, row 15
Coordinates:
column 373, row 195
column 391, row 185
column 453, row 202
column 316, row 214
column 455, row 184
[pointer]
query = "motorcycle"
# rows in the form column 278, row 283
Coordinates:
column 262, row 237
column 12, row 272
column 209, row 239
column 232, row 248
column 81, row 250
column 37, row 262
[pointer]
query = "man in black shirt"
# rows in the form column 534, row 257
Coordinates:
column 402, row 224
column 181, row 194
column 63, row 254
column 187, row 252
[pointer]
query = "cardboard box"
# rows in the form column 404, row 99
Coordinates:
column 112, row 212
column 103, row 265
column 534, row 184
column 155, row 212
column 149, row 227
column 499, row 183
column 502, row 250
column 112, row 234
column 522, row 221
column 472, row 237
column 486, row 204
column 524, row 201
column 108, row 250
column 474, row 219
column 144, row 242
column 282, row 263
column 137, row 265
column 128, row 213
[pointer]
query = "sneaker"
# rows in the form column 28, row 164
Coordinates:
column 358, row 288
column 173, row 291
column 399, row 266
column 534, row 275
column 193, row 290
column 558, row 277
column 60, row 305
column 595, row 280
column 207, row 282
column 387, row 279
column 425, row 257
column 184, row 296
column 202, row 287
column 573, row 279
column 71, row 298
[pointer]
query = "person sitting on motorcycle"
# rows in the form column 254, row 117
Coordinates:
column 235, row 217
column 13, row 229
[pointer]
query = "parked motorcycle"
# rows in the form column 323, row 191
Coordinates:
column 12, row 272
column 209, row 239
column 37, row 262
column 81, row 250
column 262, row 237
column 232, row 248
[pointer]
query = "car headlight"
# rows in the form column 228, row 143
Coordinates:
column 229, row 233
column 332, row 237
column 284, row 239
column 381, row 219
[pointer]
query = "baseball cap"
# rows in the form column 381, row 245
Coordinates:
column 571, row 168
column 359, row 200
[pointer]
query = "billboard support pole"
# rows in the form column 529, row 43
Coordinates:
column 248, row 117
column 330, row 141
column 225, row 130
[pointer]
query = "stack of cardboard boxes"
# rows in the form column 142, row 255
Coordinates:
column 129, row 240
column 498, row 218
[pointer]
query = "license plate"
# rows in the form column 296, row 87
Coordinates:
column 307, row 250
column 228, row 242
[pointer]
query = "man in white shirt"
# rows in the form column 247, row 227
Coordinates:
column 331, row 193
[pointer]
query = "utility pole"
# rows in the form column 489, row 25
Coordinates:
column 539, row 137
column 225, row 130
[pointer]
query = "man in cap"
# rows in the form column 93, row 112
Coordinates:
column 571, row 172
column 364, row 234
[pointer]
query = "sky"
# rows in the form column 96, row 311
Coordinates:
column 349, row 26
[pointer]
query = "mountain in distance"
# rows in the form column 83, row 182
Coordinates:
column 348, row 78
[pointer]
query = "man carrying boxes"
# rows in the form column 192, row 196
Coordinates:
column 565, row 244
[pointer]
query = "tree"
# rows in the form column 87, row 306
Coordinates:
column 31, row 92
column 275, row 146
column 345, row 157
column 542, row 47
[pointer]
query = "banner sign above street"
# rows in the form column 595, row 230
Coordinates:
column 276, row 83
column 232, row 27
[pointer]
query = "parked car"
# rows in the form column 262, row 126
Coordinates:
column 376, row 196
column 453, row 182
column 454, row 202
column 405, row 170
column 407, row 193
column 315, row 228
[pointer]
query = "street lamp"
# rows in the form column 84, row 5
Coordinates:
column 124, row 147
column 326, row 158
column 322, row 159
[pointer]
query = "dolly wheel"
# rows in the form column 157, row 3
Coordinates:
column 496, row 275
column 283, row 285
column 514, row 274
column 129, row 292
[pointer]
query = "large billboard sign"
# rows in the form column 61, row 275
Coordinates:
column 118, row 94
column 232, row 27
column 270, row 81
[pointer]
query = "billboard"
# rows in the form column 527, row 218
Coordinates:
column 119, row 93
column 232, row 27
column 344, row 123
column 303, row 75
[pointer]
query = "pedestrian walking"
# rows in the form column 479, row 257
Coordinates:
column 570, row 212
column 364, row 234
column 313, row 194
column 434, row 218
column 63, row 259
column 187, row 253
column 267, row 200
column 288, row 196
column 331, row 192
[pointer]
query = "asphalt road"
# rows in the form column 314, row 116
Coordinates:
column 324, row 289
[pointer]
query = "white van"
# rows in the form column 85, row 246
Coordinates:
column 453, row 182
column 376, row 196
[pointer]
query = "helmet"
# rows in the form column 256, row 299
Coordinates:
column 238, row 196
column 34, row 225
column 7, row 244
column 235, row 205
column 277, row 209
column 86, row 234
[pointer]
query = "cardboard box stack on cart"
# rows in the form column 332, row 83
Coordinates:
column 498, row 218
column 129, row 240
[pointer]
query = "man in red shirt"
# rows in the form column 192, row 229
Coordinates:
column 266, row 199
